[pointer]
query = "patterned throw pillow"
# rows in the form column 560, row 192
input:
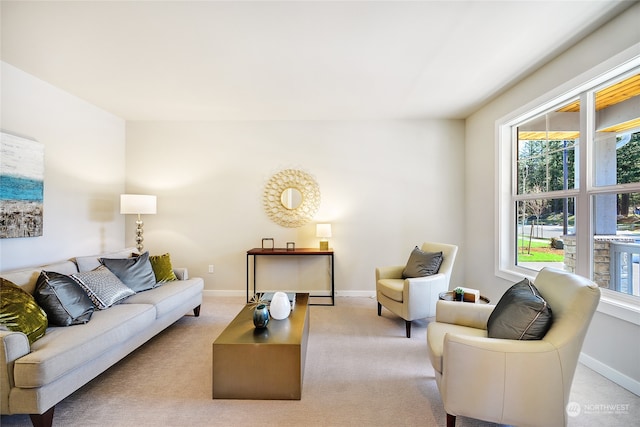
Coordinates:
column 62, row 299
column 19, row 311
column 103, row 287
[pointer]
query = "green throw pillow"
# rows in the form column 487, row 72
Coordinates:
column 162, row 268
column 19, row 311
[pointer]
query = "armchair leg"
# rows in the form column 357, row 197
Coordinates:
column 379, row 309
column 408, row 326
column 451, row 420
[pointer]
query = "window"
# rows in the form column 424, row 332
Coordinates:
column 569, row 184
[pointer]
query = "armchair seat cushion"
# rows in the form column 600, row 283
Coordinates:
column 391, row 288
column 435, row 341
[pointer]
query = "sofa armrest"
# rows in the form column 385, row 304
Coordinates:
column 390, row 272
column 181, row 273
column 464, row 313
column 13, row 345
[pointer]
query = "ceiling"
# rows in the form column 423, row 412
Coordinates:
column 291, row 60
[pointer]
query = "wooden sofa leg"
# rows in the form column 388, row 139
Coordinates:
column 379, row 309
column 43, row 420
column 408, row 325
column 196, row 311
column 451, row 420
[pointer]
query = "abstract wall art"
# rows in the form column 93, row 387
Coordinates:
column 21, row 186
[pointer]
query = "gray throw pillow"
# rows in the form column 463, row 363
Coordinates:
column 64, row 301
column 422, row 263
column 102, row 287
column 137, row 272
column 521, row 314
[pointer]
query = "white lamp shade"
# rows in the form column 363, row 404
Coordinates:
column 137, row 204
column 323, row 230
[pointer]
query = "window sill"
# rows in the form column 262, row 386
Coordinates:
column 624, row 307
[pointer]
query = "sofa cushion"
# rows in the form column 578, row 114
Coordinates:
column 521, row 314
column 135, row 272
column 27, row 278
column 162, row 268
column 421, row 263
column 103, row 287
column 63, row 350
column 170, row 296
column 392, row 288
column 91, row 262
column 19, row 311
column 62, row 299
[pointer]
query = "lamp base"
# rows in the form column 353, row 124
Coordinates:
column 324, row 245
column 139, row 235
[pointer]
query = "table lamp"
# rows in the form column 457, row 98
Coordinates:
column 138, row 204
column 323, row 231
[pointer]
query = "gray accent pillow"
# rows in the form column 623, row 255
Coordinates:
column 64, row 301
column 137, row 272
column 102, row 287
column 422, row 263
column 521, row 314
column 91, row 262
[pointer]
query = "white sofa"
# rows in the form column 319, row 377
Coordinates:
column 34, row 378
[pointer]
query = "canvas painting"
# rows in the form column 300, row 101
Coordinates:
column 21, row 186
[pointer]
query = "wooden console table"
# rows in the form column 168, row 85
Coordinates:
column 256, row 252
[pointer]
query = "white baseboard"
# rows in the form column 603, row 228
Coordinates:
column 608, row 372
column 236, row 293
column 223, row 293
column 367, row 294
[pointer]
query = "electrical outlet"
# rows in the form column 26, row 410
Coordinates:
column 210, row 268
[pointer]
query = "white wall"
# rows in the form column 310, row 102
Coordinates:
column 386, row 187
column 84, row 170
column 480, row 200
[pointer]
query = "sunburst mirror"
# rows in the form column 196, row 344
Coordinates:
column 291, row 198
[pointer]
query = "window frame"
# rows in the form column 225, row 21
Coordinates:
column 583, row 87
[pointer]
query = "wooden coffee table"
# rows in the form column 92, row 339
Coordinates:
column 250, row 363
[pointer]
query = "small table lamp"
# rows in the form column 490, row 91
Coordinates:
column 323, row 231
column 138, row 204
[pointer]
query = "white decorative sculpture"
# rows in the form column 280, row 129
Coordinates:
column 280, row 306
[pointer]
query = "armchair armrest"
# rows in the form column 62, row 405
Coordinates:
column 464, row 314
column 390, row 272
column 422, row 295
column 500, row 368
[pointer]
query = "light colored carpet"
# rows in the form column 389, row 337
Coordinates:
column 360, row 370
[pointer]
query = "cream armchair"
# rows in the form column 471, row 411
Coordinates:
column 524, row 383
column 414, row 298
